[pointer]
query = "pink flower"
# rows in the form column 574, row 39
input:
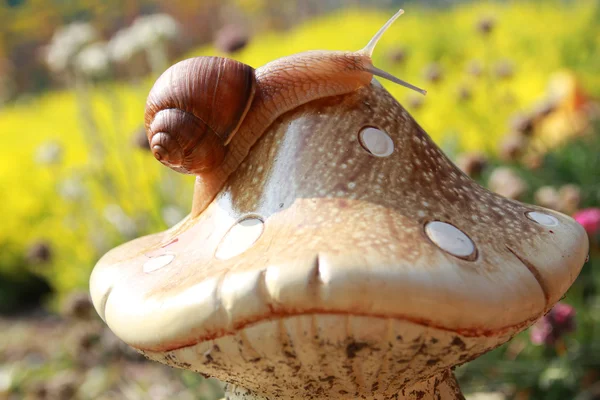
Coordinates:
column 559, row 321
column 541, row 332
column 563, row 316
column 589, row 219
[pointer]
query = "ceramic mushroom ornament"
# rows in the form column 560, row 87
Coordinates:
column 333, row 251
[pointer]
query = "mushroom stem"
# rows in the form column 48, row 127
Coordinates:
column 442, row 386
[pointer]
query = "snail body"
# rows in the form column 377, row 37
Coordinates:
column 204, row 114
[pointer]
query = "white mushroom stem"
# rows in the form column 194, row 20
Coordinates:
column 442, row 386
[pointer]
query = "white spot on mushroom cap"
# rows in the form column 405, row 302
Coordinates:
column 449, row 238
column 376, row 142
column 158, row 262
column 240, row 238
column 542, row 219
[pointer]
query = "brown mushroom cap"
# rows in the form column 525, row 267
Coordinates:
column 339, row 241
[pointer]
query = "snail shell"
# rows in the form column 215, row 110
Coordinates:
column 193, row 110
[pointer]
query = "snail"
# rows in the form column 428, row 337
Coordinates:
column 204, row 114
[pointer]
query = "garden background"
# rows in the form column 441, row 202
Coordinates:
column 513, row 89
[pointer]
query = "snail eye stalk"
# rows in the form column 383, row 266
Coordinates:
column 370, row 47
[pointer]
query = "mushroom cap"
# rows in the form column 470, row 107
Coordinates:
column 346, row 227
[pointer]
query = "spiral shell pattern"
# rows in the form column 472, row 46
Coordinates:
column 193, row 110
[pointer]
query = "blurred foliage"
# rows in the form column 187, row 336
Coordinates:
column 27, row 26
column 85, row 361
column 78, row 179
column 95, row 192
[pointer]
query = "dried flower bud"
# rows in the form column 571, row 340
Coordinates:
column 433, row 73
column 569, row 198
column 231, row 39
column 543, row 109
column 533, row 161
column 78, row 306
column 486, row 25
column 415, row 101
column 39, row 253
column 398, row 56
column 472, row 164
column 548, row 197
column 512, row 147
column 504, row 69
column 83, row 343
column 474, row 68
column 507, row 183
column 63, row 386
column 38, row 390
column 522, row 123
column 464, row 93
